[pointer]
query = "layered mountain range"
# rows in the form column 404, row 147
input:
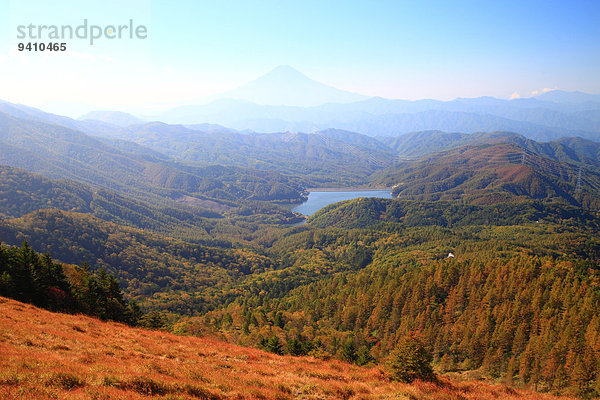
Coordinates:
column 287, row 100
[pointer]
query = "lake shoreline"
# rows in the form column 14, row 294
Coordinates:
column 318, row 199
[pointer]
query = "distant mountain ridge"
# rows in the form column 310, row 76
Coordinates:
column 347, row 154
column 564, row 97
column 418, row 144
column 285, row 99
column 548, row 116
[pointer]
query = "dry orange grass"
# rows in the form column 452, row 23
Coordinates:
column 45, row 355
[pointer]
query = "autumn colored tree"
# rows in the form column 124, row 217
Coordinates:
column 410, row 360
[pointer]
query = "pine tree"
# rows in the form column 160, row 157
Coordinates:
column 295, row 347
column 410, row 360
column 363, row 356
column 349, row 351
column 274, row 345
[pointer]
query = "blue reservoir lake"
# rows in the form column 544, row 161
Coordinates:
column 319, row 199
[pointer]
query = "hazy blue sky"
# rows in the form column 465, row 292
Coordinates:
column 395, row 49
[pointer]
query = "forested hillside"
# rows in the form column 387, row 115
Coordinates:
column 22, row 192
column 35, row 278
column 491, row 174
column 58, row 152
column 367, row 212
column 492, row 306
column 419, row 144
column 162, row 273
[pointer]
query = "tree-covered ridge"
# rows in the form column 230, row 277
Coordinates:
column 474, row 310
column 23, row 192
column 62, row 153
column 321, row 158
column 492, row 174
column 35, row 278
column 574, row 150
column 161, row 272
column 368, row 212
column 501, row 315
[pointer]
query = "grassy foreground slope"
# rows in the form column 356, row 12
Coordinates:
column 45, row 355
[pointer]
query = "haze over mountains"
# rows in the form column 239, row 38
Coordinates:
column 220, row 158
column 201, row 164
column 287, row 100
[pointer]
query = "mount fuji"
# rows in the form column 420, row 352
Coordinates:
column 286, row 86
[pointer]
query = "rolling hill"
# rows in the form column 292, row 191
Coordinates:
column 23, row 192
column 21, row 111
column 412, row 146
